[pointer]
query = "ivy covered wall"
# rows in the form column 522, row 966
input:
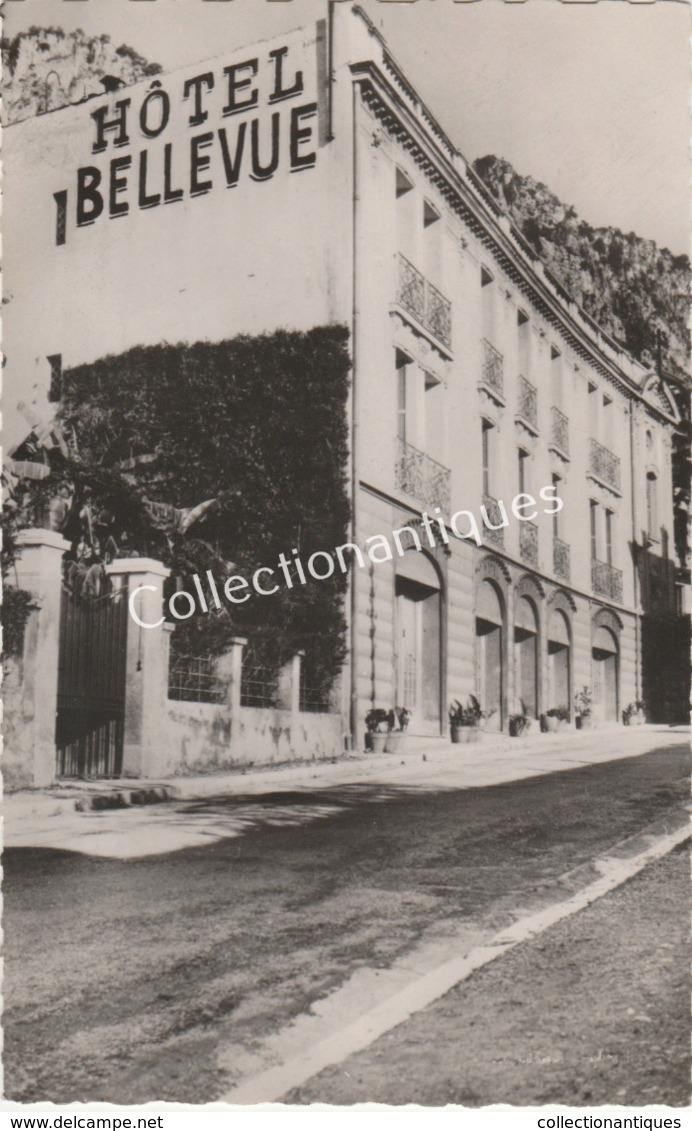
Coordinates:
column 256, row 427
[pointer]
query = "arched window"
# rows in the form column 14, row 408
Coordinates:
column 605, row 669
column 418, row 638
column 559, row 662
column 526, row 656
column 490, row 620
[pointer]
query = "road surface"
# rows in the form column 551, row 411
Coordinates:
column 157, row 978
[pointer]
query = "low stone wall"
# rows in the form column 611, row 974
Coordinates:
column 205, row 738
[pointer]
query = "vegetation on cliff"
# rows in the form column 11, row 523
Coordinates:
column 638, row 292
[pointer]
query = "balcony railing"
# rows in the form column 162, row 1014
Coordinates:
column 559, row 430
column 494, row 514
column 492, row 366
column 606, row 581
column 421, row 299
column 605, row 465
column 422, row 477
column 528, row 402
column 528, row 543
column 560, row 559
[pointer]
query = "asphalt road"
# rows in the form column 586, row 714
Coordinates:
column 124, row 979
column 593, row 1012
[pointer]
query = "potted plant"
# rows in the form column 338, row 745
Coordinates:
column 556, row 718
column 582, row 702
column 377, row 722
column 634, row 713
column 397, row 722
column 465, row 721
column 520, row 721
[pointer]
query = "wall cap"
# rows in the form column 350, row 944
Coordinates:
column 138, row 565
column 36, row 536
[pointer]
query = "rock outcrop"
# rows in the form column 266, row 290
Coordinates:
column 46, row 68
column 638, row 292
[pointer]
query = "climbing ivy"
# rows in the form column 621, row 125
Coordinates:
column 256, row 424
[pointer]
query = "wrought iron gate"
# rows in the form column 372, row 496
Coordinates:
column 91, row 684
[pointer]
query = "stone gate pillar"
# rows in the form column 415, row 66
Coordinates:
column 30, row 733
column 146, row 671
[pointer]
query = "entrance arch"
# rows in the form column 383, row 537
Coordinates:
column 490, row 622
column 526, row 654
column 418, row 641
column 559, row 661
column 605, row 669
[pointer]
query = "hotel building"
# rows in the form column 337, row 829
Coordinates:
column 303, row 182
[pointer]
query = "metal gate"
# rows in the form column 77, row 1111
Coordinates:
column 91, row 684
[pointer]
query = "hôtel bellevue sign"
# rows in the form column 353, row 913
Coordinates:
column 245, row 120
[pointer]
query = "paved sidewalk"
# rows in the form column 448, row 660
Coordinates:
column 119, row 818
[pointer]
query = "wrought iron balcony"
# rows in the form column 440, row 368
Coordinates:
column 492, row 366
column 421, row 299
column 528, row 542
column 606, row 581
column 559, row 430
column 528, row 402
column 422, row 477
column 604, row 465
column 494, row 514
column 560, row 559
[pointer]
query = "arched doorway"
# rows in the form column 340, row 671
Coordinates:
column 418, row 641
column 559, row 662
column 489, row 633
column 526, row 655
column 605, row 675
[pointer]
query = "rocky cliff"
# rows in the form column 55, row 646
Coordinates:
column 46, row 68
column 629, row 285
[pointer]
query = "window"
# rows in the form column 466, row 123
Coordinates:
column 593, row 410
column 55, row 363
column 556, row 376
column 401, row 365
column 405, row 215
column 593, row 507
column 432, row 243
column 609, row 520
column 524, row 343
column 652, row 505
column 487, row 305
column 607, row 420
column 523, row 471
column 488, row 437
column 430, row 214
column 557, row 485
column 435, row 417
column 403, row 183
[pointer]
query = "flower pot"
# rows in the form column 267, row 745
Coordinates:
column 584, row 722
column 636, row 719
column 465, row 734
column 378, row 743
column 563, row 724
column 551, row 723
column 395, row 742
